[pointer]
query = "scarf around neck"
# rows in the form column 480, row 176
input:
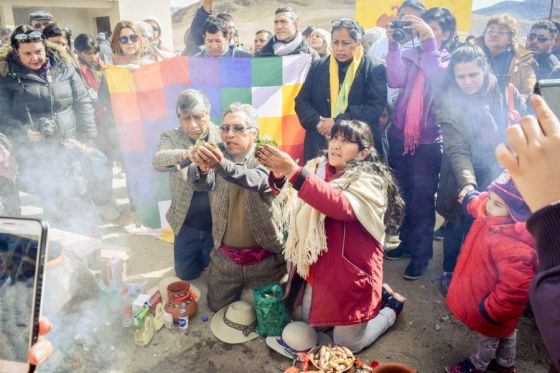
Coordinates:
column 307, row 239
column 414, row 114
column 339, row 98
column 282, row 48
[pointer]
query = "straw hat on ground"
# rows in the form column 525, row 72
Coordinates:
column 235, row 323
column 297, row 337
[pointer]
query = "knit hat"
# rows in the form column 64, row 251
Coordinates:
column 40, row 14
column 504, row 187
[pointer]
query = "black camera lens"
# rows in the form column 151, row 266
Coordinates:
column 399, row 35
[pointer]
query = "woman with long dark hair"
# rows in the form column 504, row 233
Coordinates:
column 336, row 215
column 474, row 117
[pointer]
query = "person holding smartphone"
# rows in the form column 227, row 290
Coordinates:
column 532, row 160
column 22, row 265
column 38, row 353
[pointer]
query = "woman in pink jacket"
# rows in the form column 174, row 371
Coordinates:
column 336, row 211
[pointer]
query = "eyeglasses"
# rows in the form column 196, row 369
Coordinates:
column 346, row 22
column 156, row 29
column 494, row 31
column 124, row 39
column 38, row 25
column 237, row 128
column 540, row 38
column 32, row 37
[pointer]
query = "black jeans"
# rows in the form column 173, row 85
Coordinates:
column 453, row 238
column 418, row 177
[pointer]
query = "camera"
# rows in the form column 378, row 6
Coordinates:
column 47, row 127
column 399, row 30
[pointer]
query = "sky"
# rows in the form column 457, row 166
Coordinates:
column 181, row 3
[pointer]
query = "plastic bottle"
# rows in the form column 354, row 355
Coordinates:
column 183, row 320
column 126, row 310
column 168, row 320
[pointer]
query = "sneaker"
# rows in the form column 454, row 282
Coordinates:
column 396, row 303
column 109, row 212
column 446, row 278
column 464, row 366
column 396, row 254
column 391, row 241
column 386, row 294
column 494, row 367
column 415, row 270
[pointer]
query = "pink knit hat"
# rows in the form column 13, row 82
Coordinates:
column 504, row 187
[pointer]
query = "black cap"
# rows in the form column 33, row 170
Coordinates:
column 40, row 14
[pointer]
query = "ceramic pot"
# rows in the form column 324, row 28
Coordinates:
column 179, row 292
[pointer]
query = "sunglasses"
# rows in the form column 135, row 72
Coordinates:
column 540, row 38
column 124, row 39
column 237, row 128
column 346, row 22
column 32, row 37
column 156, row 29
column 38, row 25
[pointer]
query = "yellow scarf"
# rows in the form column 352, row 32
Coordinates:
column 339, row 99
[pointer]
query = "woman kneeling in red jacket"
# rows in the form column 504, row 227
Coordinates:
column 336, row 211
column 490, row 286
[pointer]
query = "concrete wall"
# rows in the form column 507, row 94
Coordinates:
column 135, row 10
column 81, row 19
column 76, row 19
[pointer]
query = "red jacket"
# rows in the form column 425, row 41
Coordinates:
column 347, row 278
column 490, row 286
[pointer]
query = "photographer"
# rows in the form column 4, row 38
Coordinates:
column 43, row 102
column 415, row 135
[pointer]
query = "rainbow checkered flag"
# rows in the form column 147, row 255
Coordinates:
column 144, row 106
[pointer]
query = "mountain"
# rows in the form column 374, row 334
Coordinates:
column 253, row 15
column 528, row 9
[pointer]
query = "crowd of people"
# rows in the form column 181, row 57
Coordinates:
column 399, row 123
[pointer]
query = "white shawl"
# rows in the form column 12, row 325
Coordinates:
column 305, row 225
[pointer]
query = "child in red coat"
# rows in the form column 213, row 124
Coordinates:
column 490, row 286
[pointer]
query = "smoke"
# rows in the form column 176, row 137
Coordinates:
column 69, row 186
column 87, row 335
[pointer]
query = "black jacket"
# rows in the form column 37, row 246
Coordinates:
column 64, row 96
column 194, row 37
column 547, row 63
column 367, row 99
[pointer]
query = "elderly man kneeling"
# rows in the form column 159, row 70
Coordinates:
column 248, row 249
column 189, row 213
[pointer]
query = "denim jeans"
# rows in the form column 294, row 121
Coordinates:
column 191, row 250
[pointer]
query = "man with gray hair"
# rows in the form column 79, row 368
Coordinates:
column 247, row 247
column 287, row 40
column 189, row 213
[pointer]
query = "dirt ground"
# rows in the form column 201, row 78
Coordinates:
column 89, row 338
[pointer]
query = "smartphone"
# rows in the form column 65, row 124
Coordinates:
column 549, row 89
column 23, row 246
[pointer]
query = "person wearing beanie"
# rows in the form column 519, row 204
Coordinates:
column 490, row 286
column 532, row 156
